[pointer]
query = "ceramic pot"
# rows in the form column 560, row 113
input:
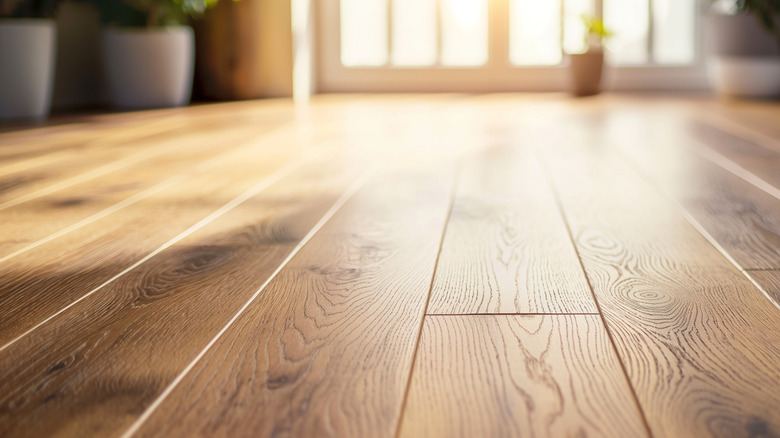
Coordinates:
column 743, row 57
column 756, row 77
column 27, row 54
column 585, row 72
column 148, row 68
column 738, row 35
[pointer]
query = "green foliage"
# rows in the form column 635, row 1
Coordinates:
column 152, row 13
column 766, row 11
column 595, row 31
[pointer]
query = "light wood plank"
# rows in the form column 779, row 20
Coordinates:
column 506, row 249
column 512, row 376
column 752, row 119
column 747, row 154
column 326, row 350
column 74, row 168
column 26, row 144
column 31, row 222
column 769, row 282
column 743, row 219
column 73, row 133
column 38, row 283
column 698, row 341
column 78, row 376
column 87, row 158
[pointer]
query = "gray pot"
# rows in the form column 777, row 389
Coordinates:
column 743, row 57
column 27, row 52
column 738, row 35
column 585, row 73
column 149, row 68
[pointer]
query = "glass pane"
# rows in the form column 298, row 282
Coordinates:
column 414, row 32
column 535, row 32
column 629, row 20
column 573, row 29
column 464, row 32
column 674, row 37
column 363, row 32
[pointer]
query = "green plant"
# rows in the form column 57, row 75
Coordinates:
column 595, row 31
column 765, row 10
column 152, row 13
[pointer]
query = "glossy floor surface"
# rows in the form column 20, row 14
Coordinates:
column 394, row 266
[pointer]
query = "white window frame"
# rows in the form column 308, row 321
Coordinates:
column 497, row 75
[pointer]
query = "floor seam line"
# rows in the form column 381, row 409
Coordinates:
column 607, row 330
column 332, row 211
column 448, row 217
column 513, row 314
column 129, row 201
column 236, row 201
column 693, row 222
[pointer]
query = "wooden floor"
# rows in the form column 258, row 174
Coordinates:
column 394, row 266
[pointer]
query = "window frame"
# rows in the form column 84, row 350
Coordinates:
column 497, row 75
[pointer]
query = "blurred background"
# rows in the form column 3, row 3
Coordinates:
column 282, row 48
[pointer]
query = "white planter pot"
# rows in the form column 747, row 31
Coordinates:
column 745, row 76
column 149, row 68
column 27, row 52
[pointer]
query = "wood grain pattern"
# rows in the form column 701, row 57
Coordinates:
column 329, row 347
column 698, row 340
column 769, row 282
column 76, row 168
column 326, row 350
column 86, row 158
column 39, row 218
column 511, row 376
column 39, row 282
column 743, row 219
column 506, row 248
column 78, row 375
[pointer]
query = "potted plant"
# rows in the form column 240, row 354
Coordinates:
column 148, row 51
column 27, row 54
column 743, row 44
column 585, row 68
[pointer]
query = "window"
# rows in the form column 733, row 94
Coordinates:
column 495, row 45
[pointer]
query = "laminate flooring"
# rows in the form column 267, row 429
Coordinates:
column 501, row 265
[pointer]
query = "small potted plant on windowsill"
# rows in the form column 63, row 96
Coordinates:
column 743, row 45
column 148, row 51
column 585, row 68
column 27, row 54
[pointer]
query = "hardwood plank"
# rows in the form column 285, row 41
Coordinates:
column 752, row 119
column 27, row 224
column 743, row 219
column 78, row 376
column 22, row 180
column 511, row 376
column 769, row 282
column 40, row 282
column 90, row 131
column 326, row 350
column 27, row 145
column 507, row 249
column 745, row 153
column 698, row 341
